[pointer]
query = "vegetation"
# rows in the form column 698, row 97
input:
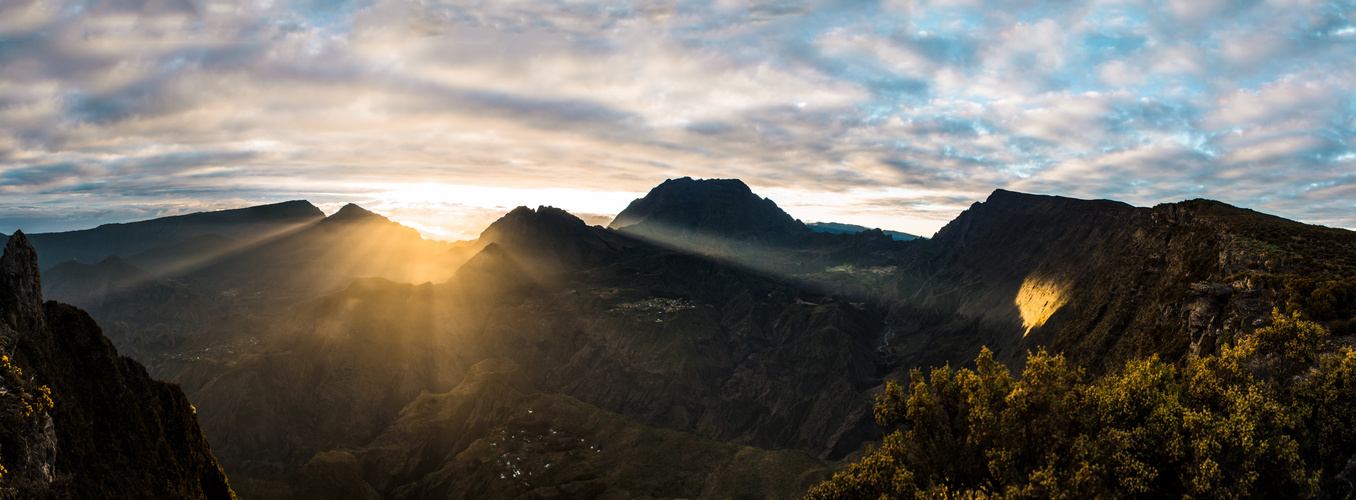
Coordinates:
column 1264, row 418
column 20, row 403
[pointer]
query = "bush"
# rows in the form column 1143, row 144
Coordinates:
column 1210, row 428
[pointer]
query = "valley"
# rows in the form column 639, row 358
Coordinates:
column 703, row 345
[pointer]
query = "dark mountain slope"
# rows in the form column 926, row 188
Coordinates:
column 709, row 209
column 93, row 245
column 841, row 228
column 326, row 256
column 497, row 436
column 88, row 286
column 673, row 340
column 185, row 256
column 210, row 290
column 722, row 218
column 108, row 430
column 1104, row 282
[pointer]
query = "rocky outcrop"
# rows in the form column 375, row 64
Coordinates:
column 80, row 421
column 20, row 285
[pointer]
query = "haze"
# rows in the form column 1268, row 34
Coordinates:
column 884, row 114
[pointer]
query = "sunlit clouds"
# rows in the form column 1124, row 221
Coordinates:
column 444, row 114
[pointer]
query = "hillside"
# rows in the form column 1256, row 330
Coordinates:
column 80, row 421
column 706, row 318
column 1104, row 282
column 841, row 228
column 497, row 436
column 245, row 224
column 670, row 340
column 725, row 220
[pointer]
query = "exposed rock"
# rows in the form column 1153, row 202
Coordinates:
column 1174, row 280
column 109, row 430
column 20, row 285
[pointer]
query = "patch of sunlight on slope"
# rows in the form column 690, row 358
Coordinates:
column 1038, row 299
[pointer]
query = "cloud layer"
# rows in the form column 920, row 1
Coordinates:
column 888, row 113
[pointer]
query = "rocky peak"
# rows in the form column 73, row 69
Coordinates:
column 723, row 208
column 549, row 240
column 526, row 223
column 20, row 284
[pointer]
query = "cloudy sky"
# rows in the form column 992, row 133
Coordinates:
column 895, row 114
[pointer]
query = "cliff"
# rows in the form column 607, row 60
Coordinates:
column 80, row 421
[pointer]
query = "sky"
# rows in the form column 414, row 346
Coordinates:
column 893, row 114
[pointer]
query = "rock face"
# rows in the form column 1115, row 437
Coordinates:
column 1103, row 282
column 108, row 429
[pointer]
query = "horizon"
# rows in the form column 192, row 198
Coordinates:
column 598, row 219
column 884, row 114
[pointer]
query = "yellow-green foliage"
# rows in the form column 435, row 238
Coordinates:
column 18, row 398
column 18, row 401
column 1209, row 428
column 1292, row 337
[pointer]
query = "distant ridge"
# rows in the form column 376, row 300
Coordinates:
column 841, row 228
column 125, row 239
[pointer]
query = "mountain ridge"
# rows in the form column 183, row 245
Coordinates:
column 124, row 239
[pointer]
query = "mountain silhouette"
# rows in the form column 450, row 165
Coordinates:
column 93, row 245
column 352, row 357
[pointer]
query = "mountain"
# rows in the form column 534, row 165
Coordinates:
column 185, row 256
column 496, row 436
column 80, row 421
column 709, row 209
column 705, row 331
column 1103, row 282
column 841, row 228
column 93, row 245
column 188, row 284
column 724, row 219
column 690, row 347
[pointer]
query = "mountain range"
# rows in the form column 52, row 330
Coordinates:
column 704, row 344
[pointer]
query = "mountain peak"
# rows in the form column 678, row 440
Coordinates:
column 1004, row 210
column 524, row 220
column 20, row 283
column 732, row 185
column 353, row 213
column 722, row 208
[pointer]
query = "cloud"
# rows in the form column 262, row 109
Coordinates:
column 111, row 105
